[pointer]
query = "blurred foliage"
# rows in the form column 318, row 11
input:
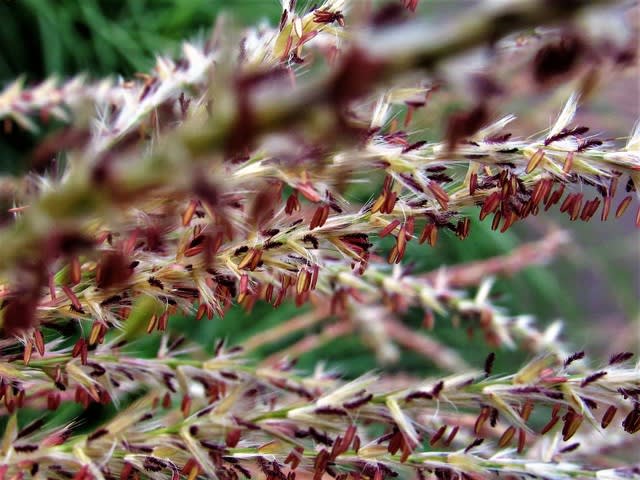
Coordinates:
column 105, row 37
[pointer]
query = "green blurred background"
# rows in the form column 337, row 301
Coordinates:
column 594, row 286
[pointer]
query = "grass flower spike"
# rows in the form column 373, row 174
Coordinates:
column 290, row 166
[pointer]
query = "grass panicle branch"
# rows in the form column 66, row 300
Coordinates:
column 234, row 176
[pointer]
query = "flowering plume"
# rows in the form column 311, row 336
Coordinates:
column 223, row 178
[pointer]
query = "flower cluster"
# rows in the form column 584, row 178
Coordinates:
column 223, row 417
column 224, row 177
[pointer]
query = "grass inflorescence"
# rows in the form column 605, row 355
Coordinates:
column 225, row 177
